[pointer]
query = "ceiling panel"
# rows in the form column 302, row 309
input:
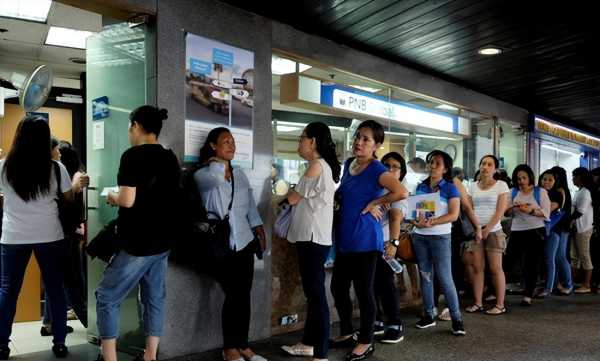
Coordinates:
column 550, row 64
column 23, row 31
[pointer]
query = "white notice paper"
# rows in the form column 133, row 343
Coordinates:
column 98, row 135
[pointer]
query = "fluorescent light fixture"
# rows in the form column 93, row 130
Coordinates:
column 280, row 66
column 286, row 128
column 66, row 37
column 437, row 137
column 302, row 125
column 366, row 88
column 34, row 10
column 577, row 154
column 447, row 107
column 398, row 134
column 489, row 50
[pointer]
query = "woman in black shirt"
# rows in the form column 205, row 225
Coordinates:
column 148, row 180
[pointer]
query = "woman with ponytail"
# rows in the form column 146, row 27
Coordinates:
column 310, row 230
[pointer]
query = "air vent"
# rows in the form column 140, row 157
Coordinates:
column 77, row 60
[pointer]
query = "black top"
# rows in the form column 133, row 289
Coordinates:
column 147, row 227
column 565, row 222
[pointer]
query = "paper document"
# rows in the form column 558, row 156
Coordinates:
column 109, row 189
column 423, row 204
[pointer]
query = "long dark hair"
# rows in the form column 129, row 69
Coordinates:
column 447, row 159
column 325, row 146
column 376, row 129
column 522, row 168
column 28, row 164
column 69, row 158
column 561, row 182
column 207, row 152
column 398, row 158
column 585, row 177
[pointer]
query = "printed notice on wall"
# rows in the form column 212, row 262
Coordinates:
column 98, row 135
column 219, row 92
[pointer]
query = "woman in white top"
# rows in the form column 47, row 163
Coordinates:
column 311, row 231
column 30, row 224
column 530, row 206
column 490, row 199
column 583, row 214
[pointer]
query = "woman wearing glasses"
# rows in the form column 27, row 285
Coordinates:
column 359, row 239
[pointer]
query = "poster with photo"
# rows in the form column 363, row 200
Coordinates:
column 424, row 205
column 219, row 92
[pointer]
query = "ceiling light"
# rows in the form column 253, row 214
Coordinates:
column 285, row 128
column 34, row 10
column 280, row 66
column 447, row 107
column 69, row 38
column 366, row 88
column 576, row 154
column 489, row 50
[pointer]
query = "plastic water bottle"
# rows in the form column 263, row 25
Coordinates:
column 394, row 264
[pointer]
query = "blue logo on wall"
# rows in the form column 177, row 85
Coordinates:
column 200, row 67
column 222, row 57
column 100, row 108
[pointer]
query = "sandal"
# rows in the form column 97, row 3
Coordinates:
column 445, row 315
column 474, row 309
column 501, row 311
column 525, row 303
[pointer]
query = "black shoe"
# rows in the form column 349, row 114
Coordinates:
column 347, row 343
column 139, row 357
column 393, row 335
column 4, row 352
column 45, row 331
column 425, row 322
column 354, row 357
column 379, row 330
column 60, row 350
column 458, row 329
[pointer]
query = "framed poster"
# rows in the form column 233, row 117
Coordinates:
column 219, row 92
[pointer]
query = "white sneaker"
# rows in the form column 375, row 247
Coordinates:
column 298, row 350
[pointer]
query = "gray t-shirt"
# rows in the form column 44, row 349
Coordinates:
column 35, row 221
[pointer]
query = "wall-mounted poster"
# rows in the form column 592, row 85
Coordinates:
column 219, row 92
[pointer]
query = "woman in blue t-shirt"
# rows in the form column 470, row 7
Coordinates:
column 359, row 239
column 431, row 240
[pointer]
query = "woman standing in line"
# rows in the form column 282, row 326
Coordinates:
column 490, row 199
column 311, row 230
column 148, row 181
column 565, row 284
column 583, row 214
column 551, row 254
column 388, row 305
column 530, row 206
column 432, row 238
column 29, row 183
column 359, row 240
column 217, row 182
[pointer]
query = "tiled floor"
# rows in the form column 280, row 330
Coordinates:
column 26, row 338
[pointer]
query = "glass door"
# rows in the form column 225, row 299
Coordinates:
column 120, row 77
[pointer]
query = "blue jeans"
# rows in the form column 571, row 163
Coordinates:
column 50, row 257
column 434, row 257
column 561, row 261
column 121, row 276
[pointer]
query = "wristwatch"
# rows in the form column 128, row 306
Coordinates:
column 395, row 242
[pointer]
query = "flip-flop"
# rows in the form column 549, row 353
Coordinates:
column 474, row 309
column 502, row 311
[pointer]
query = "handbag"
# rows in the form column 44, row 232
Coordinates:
column 68, row 213
column 466, row 227
column 282, row 223
column 405, row 251
column 555, row 217
column 106, row 243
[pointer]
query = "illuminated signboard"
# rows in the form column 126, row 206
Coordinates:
column 566, row 133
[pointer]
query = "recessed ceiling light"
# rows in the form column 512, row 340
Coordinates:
column 34, row 10
column 490, row 50
column 69, row 38
column 366, row 88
